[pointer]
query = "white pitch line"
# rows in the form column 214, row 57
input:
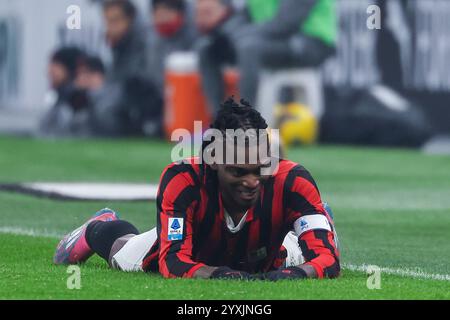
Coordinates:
column 404, row 272
column 418, row 274
column 29, row 232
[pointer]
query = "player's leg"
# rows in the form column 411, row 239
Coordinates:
column 294, row 256
column 97, row 235
column 101, row 237
column 73, row 247
column 119, row 243
column 128, row 252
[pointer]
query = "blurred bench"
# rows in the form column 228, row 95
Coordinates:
column 306, row 84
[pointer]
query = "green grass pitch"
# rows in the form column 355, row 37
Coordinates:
column 392, row 209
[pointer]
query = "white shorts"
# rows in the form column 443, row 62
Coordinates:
column 129, row 258
column 294, row 253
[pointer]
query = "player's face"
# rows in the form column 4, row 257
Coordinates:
column 241, row 183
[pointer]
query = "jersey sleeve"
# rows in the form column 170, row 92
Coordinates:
column 178, row 197
column 313, row 225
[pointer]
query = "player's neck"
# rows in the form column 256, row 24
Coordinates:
column 236, row 212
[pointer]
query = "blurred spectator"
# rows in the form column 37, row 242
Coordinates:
column 104, row 110
column 62, row 70
column 286, row 33
column 91, row 74
column 218, row 24
column 112, row 108
column 173, row 30
column 127, row 39
column 281, row 34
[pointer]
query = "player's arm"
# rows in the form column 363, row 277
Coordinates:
column 313, row 227
column 178, row 197
column 176, row 201
column 223, row 272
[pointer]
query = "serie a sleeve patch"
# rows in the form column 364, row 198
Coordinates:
column 175, row 231
column 311, row 222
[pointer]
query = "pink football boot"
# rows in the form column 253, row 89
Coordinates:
column 73, row 248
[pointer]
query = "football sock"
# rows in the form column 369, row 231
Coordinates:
column 101, row 235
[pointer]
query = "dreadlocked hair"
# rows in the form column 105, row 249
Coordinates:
column 234, row 115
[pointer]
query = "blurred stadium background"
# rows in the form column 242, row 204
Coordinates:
column 408, row 56
column 386, row 88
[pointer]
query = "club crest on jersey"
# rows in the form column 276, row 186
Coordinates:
column 175, row 231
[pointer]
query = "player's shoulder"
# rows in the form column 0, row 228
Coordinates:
column 291, row 173
column 189, row 168
column 295, row 176
column 286, row 167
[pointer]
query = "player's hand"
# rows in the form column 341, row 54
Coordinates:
column 228, row 273
column 284, row 274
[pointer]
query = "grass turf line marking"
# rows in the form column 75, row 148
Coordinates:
column 362, row 268
column 87, row 191
column 29, row 232
column 404, row 272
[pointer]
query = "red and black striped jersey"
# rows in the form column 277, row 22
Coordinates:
column 189, row 193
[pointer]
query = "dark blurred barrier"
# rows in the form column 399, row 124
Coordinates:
column 378, row 116
column 409, row 55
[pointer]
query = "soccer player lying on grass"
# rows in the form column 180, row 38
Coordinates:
column 221, row 220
